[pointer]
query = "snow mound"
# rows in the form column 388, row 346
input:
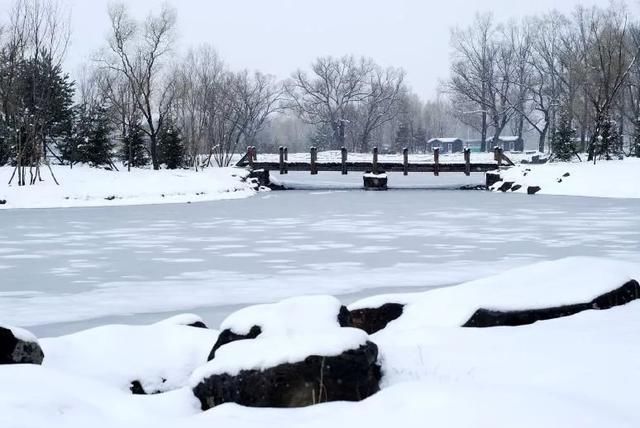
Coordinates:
column 84, row 186
column 189, row 320
column 299, row 315
column 266, row 352
column 160, row 357
column 606, row 179
column 542, row 285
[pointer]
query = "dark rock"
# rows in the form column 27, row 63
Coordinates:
column 136, row 388
column 516, row 188
column 566, row 174
column 505, row 186
column 17, row 351
column 197, row 324
column 351, row 376
column 618, row 297
column 344, row 317
column 262, row 179
column 227, row 336
column 532, row 190
column 110, row 198
column 474, row 187
column 372, row 320
column 3, row 202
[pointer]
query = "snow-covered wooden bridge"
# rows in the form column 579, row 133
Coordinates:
column 375, row 167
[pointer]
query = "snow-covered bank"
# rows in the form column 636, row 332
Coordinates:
column 606, row 179
column 579, row 370
column 83, row 186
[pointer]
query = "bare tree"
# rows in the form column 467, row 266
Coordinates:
column 327, row 96
column 140, row 50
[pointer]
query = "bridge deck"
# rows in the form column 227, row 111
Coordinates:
column 368, row 166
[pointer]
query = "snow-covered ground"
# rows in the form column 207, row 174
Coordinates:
column 83, row 186
column 575, row 371
column 606, row 179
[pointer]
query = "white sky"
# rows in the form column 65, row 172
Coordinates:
column 278, row 36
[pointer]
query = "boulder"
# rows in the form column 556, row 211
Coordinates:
column 372, row 320
column 507, row 185
column 300, row 315
column 532, row 190
column 353, row 375
column 516, row 188
column 491, row 318
column 18, row 346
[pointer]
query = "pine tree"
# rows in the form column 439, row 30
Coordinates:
column 607, row 140
column 171, row 147
column 91, row 141
column 134, row 147
column 563, row 143
column 403, row 136
column 635, row 144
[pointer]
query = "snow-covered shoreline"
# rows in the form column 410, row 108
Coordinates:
column 605, row 179
column 574, row 371
column 83, row 186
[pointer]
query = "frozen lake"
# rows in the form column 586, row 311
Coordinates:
column 66, row 269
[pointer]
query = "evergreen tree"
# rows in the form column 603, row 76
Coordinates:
column 563, row 143
column 403, row 136
column 91, row 141
column 171, row 147
column 607, row 140
column 134, row 151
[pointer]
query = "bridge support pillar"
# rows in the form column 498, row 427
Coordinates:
column 492, row 178
column 374, row 181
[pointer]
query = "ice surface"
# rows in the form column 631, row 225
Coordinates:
column 99, row 262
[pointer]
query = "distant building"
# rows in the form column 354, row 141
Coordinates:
column 446, row 145
column 507, row 143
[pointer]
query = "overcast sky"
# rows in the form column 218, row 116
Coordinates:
column 278, row 36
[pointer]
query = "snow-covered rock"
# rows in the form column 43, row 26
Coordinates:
column 18, row 346
column 189, row 320
column 141, row 359
column 607, row 179
column 570, row 281
column 375, row 319
column 290, row 371
column 295, row 316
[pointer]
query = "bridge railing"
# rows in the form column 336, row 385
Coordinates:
column 250, row 160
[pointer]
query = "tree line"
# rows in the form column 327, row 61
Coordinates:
column 572, row 80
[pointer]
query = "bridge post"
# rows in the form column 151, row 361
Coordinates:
column 467, row 161
column 281, row 160
column 286, row 160
column 344, row 161
column 436, row 161
column 314, row 160
column 498, row 156
column 405, row 160
column 250, row 156
column 375, row 160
